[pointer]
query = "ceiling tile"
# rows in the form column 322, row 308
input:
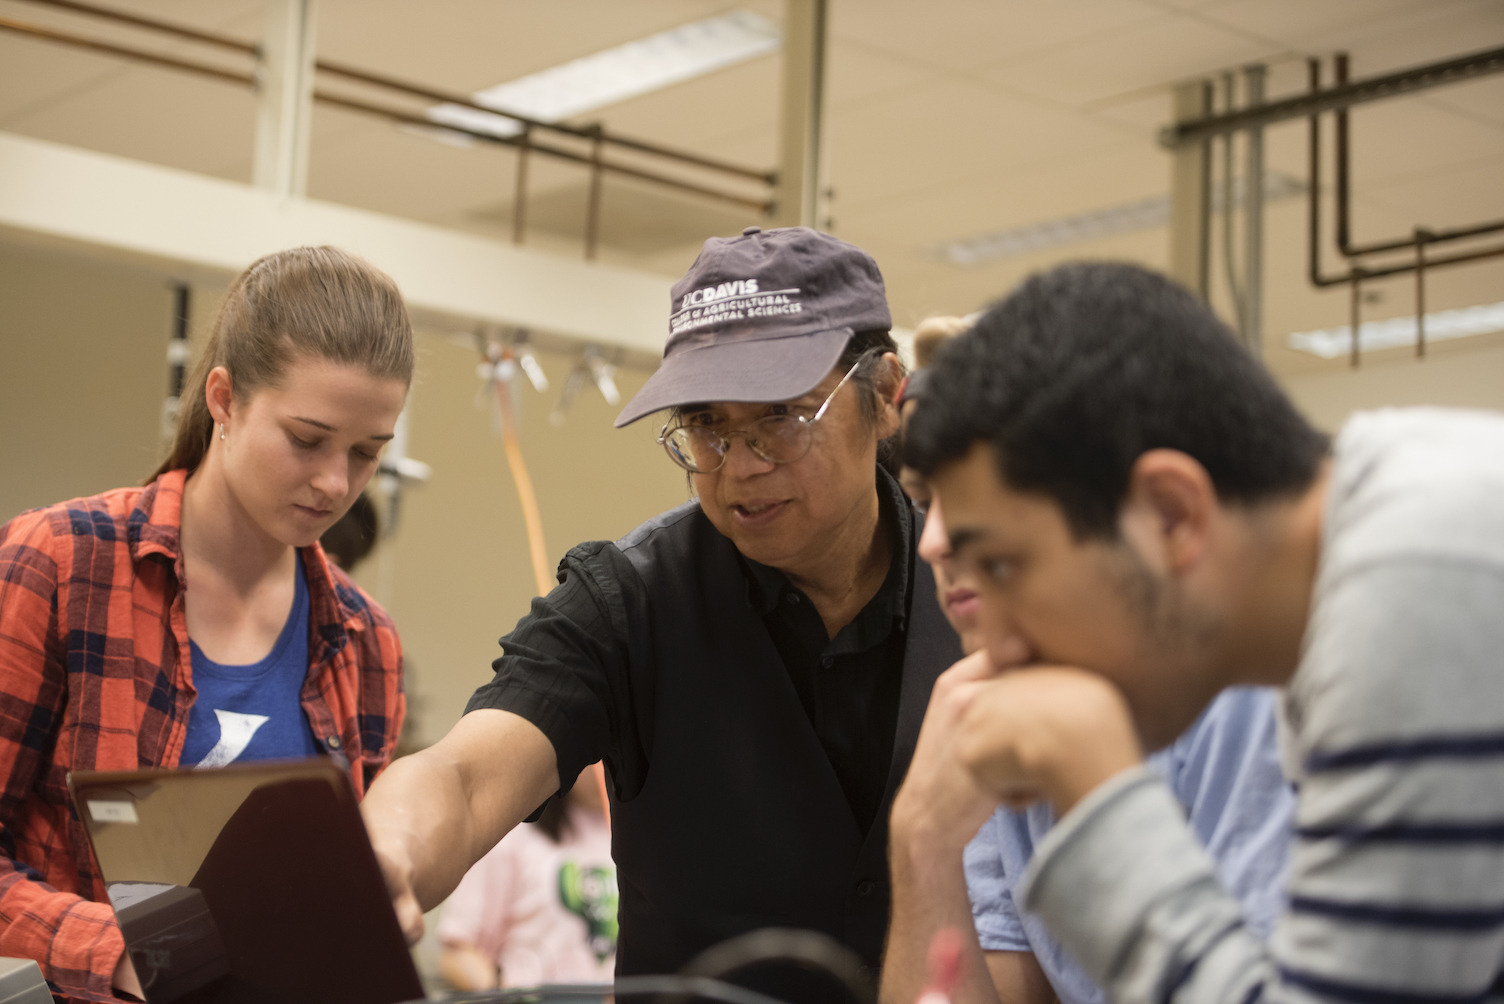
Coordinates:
column 921, row 289
column 1192, row 5
column 36, row 72
column 635, row 217
column 233, row 17
column 1404, row 138
column 1296, row 23
column 965, row 34
column 467, row 45
column 890, row 148
column 858, row 72
column 1142, row 112
column 152, row 115
column 1425, row 32
column 686, row 114
column 35, row 76
column 1167, row 48
column 1000, row 200
column 377, row 166
column 1457, row 196
column 1482, row 100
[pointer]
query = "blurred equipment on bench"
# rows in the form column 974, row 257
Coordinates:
column 247, row 883
column 21, row 982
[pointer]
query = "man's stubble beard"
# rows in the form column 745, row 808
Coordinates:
column 1174, row 657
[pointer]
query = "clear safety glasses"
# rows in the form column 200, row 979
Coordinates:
column 778, row 439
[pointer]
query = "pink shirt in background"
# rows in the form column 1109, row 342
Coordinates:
column 544, row 912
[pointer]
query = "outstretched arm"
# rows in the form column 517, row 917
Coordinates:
column 561, row 696
column 433, row 814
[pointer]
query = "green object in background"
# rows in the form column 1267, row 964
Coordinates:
column 591, row 894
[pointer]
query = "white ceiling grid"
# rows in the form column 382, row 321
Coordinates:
column 947, row 120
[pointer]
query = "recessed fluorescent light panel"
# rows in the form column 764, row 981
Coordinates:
column 1145, row 214
column 1440, row 326
column 627, row 71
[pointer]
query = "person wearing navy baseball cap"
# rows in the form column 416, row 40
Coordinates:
column 752, row 666
column 763, row 317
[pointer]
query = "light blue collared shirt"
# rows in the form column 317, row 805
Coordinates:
column 1224, row 771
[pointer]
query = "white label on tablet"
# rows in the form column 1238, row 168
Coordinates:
column 113, row 812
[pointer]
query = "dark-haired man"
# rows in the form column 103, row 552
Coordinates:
column 1147, row 520
column 1224, row 771
column 752, row 666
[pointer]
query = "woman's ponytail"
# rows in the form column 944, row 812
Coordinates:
column 315, row 301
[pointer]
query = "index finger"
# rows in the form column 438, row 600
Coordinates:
column 972, row 669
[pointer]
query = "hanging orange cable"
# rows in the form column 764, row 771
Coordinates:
column 533, row 520
column 525, row 494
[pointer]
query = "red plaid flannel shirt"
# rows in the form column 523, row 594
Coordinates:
column 95, row 674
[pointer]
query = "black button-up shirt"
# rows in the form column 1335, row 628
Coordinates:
column 571, row 656
column 747, row 778
column 848, row 684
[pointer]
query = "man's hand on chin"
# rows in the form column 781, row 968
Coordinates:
column 1046, row 732
column 938, row 811
column 941, row 804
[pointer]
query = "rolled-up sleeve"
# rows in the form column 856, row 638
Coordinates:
column 574, row 666
column 999, row 928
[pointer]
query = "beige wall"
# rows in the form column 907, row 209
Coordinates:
column 457, row 575
column 1465, row 374
column 83, row 373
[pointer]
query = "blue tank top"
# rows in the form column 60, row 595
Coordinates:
column 253, row 712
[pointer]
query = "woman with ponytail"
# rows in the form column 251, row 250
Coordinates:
column 109, row 660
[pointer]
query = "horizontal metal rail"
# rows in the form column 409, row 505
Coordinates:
column 1343, row 96
column 1366, row 272
column 414, row 90
column 124, row 52
column 151, row 24
column 391, row 114
column 1429, row 237
column 351, row 104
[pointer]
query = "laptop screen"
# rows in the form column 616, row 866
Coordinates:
column 253, row 882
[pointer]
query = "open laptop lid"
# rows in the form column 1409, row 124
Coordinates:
column 253, row 882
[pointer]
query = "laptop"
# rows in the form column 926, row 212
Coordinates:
column 248, row 883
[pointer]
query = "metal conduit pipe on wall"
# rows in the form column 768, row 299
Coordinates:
column 1252, row 320
column 1191, row 133
column 1358, row 271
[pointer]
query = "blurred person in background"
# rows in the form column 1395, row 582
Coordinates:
column 929, row 335
column 540, row 907
column 108, row 661
column 347, row 544
column 956, row 599
column 353, row 536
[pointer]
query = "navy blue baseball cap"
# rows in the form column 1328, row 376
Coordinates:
column 762, row 317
